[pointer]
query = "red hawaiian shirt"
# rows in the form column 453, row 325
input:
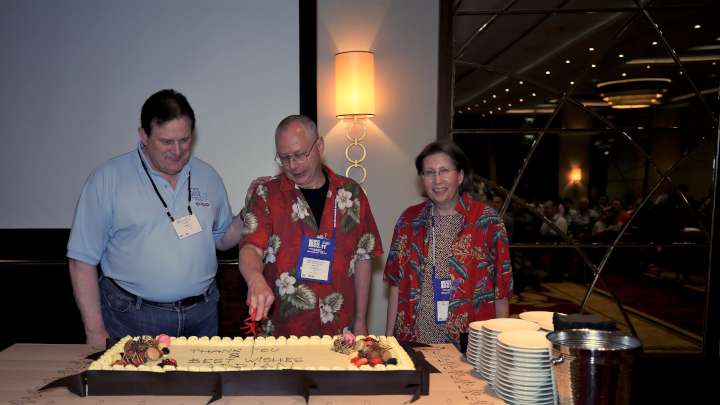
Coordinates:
column 479, row 265
column 277, row 217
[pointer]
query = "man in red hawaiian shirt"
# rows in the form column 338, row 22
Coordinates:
column 309, row 238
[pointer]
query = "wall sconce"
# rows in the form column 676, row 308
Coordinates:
column 355, row 103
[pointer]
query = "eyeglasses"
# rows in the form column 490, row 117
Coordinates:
column 442, row 173
column 297, row 158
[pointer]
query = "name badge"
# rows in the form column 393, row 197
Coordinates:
column 315, row 261
column 441, row 294
column 187, row 226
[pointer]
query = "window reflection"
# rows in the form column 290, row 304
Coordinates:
column 599, row 129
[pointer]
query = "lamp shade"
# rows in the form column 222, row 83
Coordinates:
column 354, row 84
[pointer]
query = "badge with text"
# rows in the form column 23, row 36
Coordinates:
column 187, row 226
column 441, row 294
column 315, row 261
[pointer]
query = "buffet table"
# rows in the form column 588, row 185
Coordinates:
column 26, row 367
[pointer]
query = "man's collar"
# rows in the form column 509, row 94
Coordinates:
column 287, row 184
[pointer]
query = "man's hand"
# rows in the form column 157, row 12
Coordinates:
column 251, row 189
column 97, row 339
column 260, row 297
column 84, row 278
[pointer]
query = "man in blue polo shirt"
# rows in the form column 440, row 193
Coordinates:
column 152, row 219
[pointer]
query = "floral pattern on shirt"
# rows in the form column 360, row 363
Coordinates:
column 365, row 246
column 479, row 266
column 283, row 216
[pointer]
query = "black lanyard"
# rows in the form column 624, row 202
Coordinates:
column 167, row 211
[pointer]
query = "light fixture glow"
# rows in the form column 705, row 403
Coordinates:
column 507, row 90
column 533, row 94
column 575, row 174
column 593, row 66
column 521, row 82
column 591, row 49
column 567, row 61
column 697, row 26
column 654, row 43
column 355, row 84
column 547, row 72
column 355, row 99
column 621, row 55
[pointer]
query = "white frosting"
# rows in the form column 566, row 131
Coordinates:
column 206, row 354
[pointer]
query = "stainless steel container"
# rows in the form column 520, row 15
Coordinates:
column 593, row 366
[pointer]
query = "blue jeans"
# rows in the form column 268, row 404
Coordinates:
column 125, row 314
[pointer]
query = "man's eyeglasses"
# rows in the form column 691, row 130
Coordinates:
column 297, row 158
column 443, row 173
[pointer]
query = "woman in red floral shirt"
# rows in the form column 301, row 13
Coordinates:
column 449, row 262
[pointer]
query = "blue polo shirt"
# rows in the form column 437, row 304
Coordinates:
column 121, row 224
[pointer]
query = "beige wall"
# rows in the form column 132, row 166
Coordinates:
column 404, row 36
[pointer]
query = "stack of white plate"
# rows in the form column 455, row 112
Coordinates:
column 490, row 330
column 542, row 318
column 472, row 354
column 523, row 373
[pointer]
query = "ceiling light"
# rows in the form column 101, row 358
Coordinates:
column 647, row 66
column 459, row 111
column 572, row 82
column 499, row 109
column 704, row 48
column 547, row 72
column 694, row 58
column 483, row 115
column 591, row 49
column 521, row 82
column 621, row 55
column 606, row 153
column 624, row 74
column 491, row 112
column 714, row 63
column 521, row 100
column 593, row 66
column 533, row 94
column 567, row 60
column 634, row 93
column 484, row 101
column 494, row 96
column 468, row 108
column 509, row 105
column 477, row 105
column 697, row 26
column 654, row 43
column 507, row 90
column 530, row 111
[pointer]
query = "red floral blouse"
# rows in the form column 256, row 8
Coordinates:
column 479, row 265
column 276, row 219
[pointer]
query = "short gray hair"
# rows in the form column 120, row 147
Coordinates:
column 306, row 122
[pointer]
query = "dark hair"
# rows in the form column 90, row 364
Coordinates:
column 458, row 157
column 306, row 122
column 163, row 106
